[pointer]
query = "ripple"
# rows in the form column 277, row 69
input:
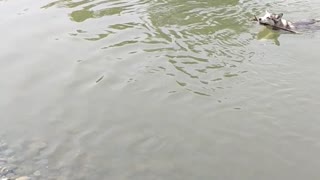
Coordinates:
column 140, row 85
column 199, row 42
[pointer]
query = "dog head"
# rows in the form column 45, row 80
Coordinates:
column 270, row 19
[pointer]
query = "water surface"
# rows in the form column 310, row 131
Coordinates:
column 158, row 89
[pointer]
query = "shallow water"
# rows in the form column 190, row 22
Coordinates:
column 158, row 89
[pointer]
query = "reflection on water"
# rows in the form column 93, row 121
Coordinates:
column 196, row 43
column 269, row 34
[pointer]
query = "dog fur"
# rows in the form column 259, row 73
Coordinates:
column 276, row 20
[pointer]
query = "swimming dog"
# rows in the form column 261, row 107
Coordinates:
column 275, row 20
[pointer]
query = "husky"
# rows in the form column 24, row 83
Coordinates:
column 276, row 20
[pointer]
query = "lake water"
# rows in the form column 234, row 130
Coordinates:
column 158, row 89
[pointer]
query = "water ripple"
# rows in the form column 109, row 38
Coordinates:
column 199, row 42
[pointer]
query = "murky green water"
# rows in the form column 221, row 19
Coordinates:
column 158, row 89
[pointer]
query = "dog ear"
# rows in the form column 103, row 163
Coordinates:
column 279, row 16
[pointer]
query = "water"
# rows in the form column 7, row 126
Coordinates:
column 158, row 89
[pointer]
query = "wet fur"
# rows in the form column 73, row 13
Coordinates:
column 276, row 20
